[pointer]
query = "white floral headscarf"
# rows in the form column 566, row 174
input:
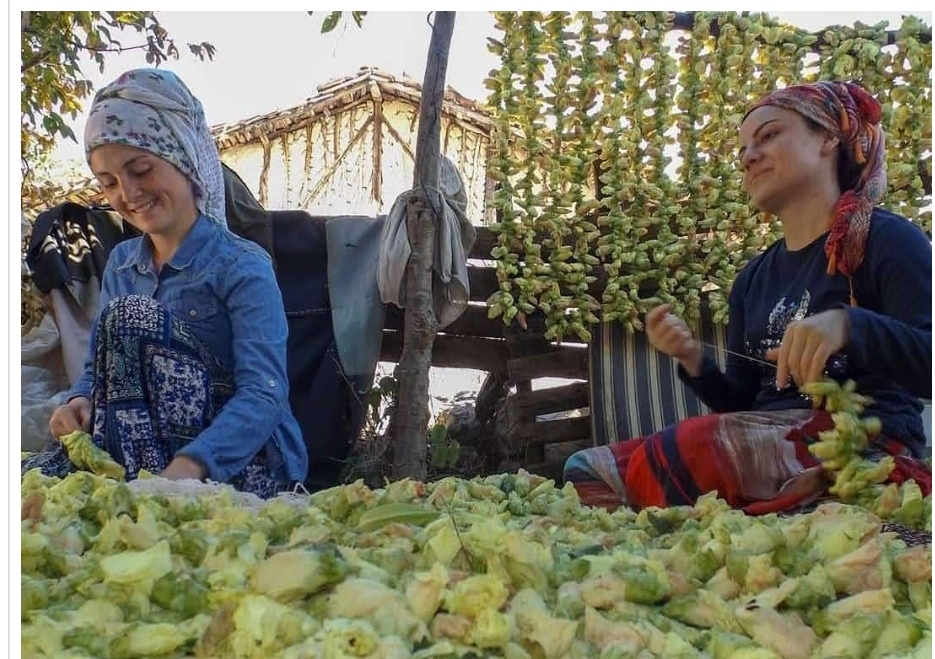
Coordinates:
column 153, row 110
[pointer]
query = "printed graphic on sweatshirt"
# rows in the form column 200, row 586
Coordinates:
column 784, row 312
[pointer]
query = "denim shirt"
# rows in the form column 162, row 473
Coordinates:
column 223, row 287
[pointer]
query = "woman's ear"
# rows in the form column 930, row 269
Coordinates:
column 829, row 143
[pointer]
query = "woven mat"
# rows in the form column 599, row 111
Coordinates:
column 910, row 536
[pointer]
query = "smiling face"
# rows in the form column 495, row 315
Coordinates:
column 783, row 157
column 151, row 193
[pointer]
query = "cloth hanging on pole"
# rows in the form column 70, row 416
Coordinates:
column 454, row 237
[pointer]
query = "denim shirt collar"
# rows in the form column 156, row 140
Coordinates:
column 191, row 245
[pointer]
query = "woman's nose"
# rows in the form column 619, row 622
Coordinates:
column 750, row 155
column 129, row 189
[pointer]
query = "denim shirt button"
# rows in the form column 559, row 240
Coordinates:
column 272, row 384
column 192, row 313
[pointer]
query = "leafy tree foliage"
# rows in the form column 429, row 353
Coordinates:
column 52, row 46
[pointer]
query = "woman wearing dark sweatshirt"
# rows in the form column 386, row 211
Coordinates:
column 846, row 293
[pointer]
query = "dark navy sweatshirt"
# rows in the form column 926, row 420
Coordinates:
column 889, row 349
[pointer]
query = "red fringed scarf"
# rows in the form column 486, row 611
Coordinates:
column 852, row 115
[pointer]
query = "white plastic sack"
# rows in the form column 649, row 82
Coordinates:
column 43, row 381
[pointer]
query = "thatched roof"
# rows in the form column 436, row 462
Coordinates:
column 342, row 94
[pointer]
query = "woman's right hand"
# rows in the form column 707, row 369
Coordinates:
column 73, row 415
column 669, row 334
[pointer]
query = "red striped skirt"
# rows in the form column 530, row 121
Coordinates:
column 757, row 461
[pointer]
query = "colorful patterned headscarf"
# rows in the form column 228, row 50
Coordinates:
column 153, row 110
column 852, row 115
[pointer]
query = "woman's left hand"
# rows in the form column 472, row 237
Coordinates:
column 807, row 345
column 182, row 468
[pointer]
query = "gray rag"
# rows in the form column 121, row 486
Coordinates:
column 357, row 312
column 454, row 237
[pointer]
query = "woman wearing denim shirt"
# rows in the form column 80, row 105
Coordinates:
column 187, row 372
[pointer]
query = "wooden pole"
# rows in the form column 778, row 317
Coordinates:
column 412, row 412
column 377, row 143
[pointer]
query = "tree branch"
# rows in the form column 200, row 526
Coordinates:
column 119, row 49
column 42, row 56
column 33, row 61
column 412, row 412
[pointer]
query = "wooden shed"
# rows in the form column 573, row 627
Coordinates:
column 350, row 149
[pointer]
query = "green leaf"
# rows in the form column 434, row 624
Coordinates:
column 68, row 132
column 331, row 22
column 438, row 434
column 51, row 122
